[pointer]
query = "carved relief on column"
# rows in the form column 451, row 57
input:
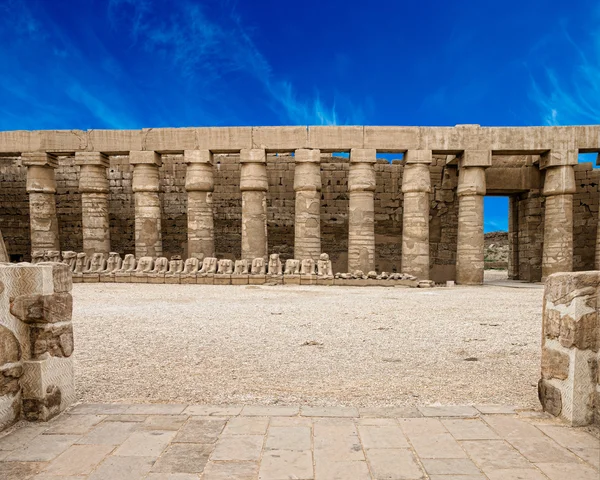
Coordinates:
column 307, row 223
column 361, row 210
column 470, row 241
column 148, row 211
column 199, row 183
column 416, row 186
column 254, row 186
column 559, row 187
column 41, row 187
column 94, row 188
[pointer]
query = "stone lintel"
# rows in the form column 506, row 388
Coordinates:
column 418, row 156
column 145, row 158
column 332, row 138
column 39, row 159
column 280, row 139
column 475, row 158
column 392, row 139
column 558, row 158
column 91, row 158
column 363, row 155
column 198, row 156
column 253, row 155
column 307, row 155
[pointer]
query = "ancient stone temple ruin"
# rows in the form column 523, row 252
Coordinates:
column 143, row 203
column 36, row 342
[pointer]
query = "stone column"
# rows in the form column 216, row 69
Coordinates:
column 307, row 223
column 513, row 238
column 146, row 185
column 93, row 185
column 559, row 187
column 361, row 210
column 200, row 183
column 254, row 185
column 470, row 242
column 416, row 186
column 41, row 187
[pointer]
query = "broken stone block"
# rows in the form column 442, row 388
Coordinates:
column 550, row 398
column 555, row 364
column 10, row 350
column 57, row 307
column 582, row 333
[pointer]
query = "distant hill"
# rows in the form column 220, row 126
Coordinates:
column 496, row 249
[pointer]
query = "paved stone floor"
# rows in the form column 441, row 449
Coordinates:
column 181, row 442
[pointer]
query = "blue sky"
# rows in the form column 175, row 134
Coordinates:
column 154, row 63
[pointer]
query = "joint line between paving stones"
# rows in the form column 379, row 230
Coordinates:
column 505, row 439
column 413, row 449
column 362, row 446
column 264, row 445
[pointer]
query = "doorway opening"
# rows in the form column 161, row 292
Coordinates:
column 498, row 246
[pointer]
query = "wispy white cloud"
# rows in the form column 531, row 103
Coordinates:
column 570, row 94
column 208, row 52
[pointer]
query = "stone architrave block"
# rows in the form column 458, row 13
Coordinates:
column 391, row 139
column 36, row 341
column 569, row 386
column 279, row 139
column 505, row 140
column 167, row 140
column 335, row 138
column 224, row 139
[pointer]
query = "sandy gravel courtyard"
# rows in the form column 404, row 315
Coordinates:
column 307, row 345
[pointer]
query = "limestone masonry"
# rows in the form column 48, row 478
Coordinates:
column 152, row 196
column 570, row 383
column 36, row 342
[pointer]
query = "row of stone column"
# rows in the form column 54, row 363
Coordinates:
column 416, row 188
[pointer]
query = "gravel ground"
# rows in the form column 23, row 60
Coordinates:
column 313, row 345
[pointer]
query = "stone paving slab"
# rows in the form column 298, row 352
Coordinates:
column 211, row 442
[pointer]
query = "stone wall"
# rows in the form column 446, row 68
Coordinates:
column 570, row 383
column 14, row 211
column 36, row 342
column 585, row 216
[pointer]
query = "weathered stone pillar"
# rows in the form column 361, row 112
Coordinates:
column 41, row 187
column 148, row 235
column 513, row 238
column 416, row 185
column 559, row 187
column 200, row 183
column 307, row 223
column 254, row 185
column 93, row 185
column 570, row 385
column 361, row 214
column 470, row 242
